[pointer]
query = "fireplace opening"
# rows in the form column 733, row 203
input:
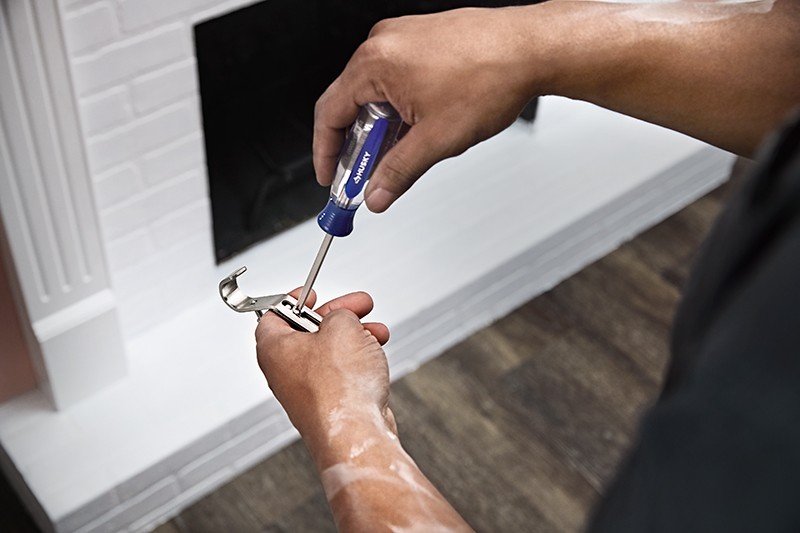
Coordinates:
column 261, row 70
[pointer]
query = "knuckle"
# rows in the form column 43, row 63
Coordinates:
column 335, row 315
column 326, row 141
column 382, row 26
column 321, row 105
column 379, row 49
column 318, row 106
column 339, row 319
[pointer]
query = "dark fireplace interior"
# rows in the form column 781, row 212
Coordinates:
column 261, row 70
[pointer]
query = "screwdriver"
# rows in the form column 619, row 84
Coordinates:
column 375, row 131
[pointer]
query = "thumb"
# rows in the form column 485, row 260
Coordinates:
column 413, row 155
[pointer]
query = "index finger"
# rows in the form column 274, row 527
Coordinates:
column 359, row 303
column 335, row 111
column 330, row 120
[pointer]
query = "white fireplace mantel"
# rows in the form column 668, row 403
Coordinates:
column 104, row 202
column 51, row 229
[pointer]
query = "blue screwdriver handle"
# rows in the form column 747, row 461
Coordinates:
column 371, row 135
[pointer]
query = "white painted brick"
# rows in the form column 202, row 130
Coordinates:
column 166, row 468
column 224, row 457
column 126, row 59
column 174, row 506
column 129, row 510
column 156, row 89
column 101, row 525
column 57, row 476
column 182, row 225
column 173, row 159
column 152, row 274
column 283, row 434
column 106, row 110
column 255, row 416
column 207, row 486
column 199, row 5
column 137, row 14
column 200, row 447
column 177, row 194
column 155, row 203
column 142, row 481
column 129, row 250
column 124, row 218
column 100, row 506
column 72, row 5
column 189, row 286
column 142, row 135
column 89, row 28
column 117, row 185
column 217, row 9
column 146, row 502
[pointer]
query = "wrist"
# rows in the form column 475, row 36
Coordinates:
column 348, row 433
column 576, row 49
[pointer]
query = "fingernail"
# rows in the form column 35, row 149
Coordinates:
column 379, row 200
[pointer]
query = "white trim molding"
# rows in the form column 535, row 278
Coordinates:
column 48, row 211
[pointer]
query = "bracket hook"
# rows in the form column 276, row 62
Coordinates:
column 281, row 304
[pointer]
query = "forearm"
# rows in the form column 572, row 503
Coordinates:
column 716, row 72
column 372, row 484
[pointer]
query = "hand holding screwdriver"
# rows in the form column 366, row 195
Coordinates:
column 371, row 135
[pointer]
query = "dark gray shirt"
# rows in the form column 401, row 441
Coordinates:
column 720, row 451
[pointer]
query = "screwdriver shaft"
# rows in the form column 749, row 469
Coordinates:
column 312, row 275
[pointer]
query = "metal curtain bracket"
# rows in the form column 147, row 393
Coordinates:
column 282, row 305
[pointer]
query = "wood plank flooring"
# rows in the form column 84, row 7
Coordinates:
column 522, row 424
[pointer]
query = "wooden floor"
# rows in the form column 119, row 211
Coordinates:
column 523, row 423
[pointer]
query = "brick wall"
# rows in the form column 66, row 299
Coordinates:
column 133, row 68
